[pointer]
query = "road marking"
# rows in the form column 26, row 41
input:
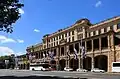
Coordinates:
column 53, row 76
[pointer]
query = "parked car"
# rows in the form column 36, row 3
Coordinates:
column 82, row 70
column 97, row 70
column 37, row 68
column 68, row 69
column 51, row 69
column 45, row 69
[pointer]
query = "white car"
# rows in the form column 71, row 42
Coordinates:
column 82, row 70
column 68, row 69
column 37, row 68
column 97, row 70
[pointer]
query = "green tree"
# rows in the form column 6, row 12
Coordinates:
column 9, row 14
column 2, row 58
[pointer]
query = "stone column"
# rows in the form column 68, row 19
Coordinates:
column 92, row 62
column 60, row 51
column 67, row 59
column 79, row 57
column 73, row 49
column 38, row 54
column 66, row 62
column 64, row 50
column 57, row 55
column 84, row 33
column 85, row 47
column 111, row 53
column 92, row 55
column 100, row 44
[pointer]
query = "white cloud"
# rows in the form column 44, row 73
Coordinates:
column 8, row 51
column 8, row 40
column 36, row 30
column 4, row 39
column 20, row 41
column 98, row 4
column 21, row 11
column 5, row 51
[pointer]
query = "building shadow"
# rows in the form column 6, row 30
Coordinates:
column 36, row 77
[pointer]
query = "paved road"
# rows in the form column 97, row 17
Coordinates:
column 89, row 75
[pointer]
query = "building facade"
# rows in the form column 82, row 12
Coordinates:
column 22, row 62
column 101, row 42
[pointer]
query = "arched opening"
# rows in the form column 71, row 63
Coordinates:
column 74, row 64
column 71, row 49
column 62, row 51
column 28, row 66
column 62, row 64
column 23, row 66
column 53, row 64
column 101, row 62
column 87, row 63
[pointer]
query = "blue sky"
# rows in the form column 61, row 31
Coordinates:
column 40, row 17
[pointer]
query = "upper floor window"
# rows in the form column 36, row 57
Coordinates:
column 69, row 39
column 79, row 29
column 72, row 32
column 94, row 33
column 112, row 27
column 48, row 40
column 51, row 40
column 60, row 37
column 56, row 38
column 44, row 46
column 65, row 34
column 89, row 34
column 49, row 45
column 54, row 43
column 69, row 33
column 57, row 43
column 105, row 29
column 72, row 38
column 99, row 31
column 118, row 26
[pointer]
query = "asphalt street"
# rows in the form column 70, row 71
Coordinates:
column 27, row 74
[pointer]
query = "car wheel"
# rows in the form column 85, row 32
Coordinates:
column 33, row 69
column 101, row 72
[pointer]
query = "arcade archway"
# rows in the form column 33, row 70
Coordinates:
column 101, row 62
column 28, row 66
column 74, row 64
column 87, row 63
column 62, row 64
column 53, row 64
